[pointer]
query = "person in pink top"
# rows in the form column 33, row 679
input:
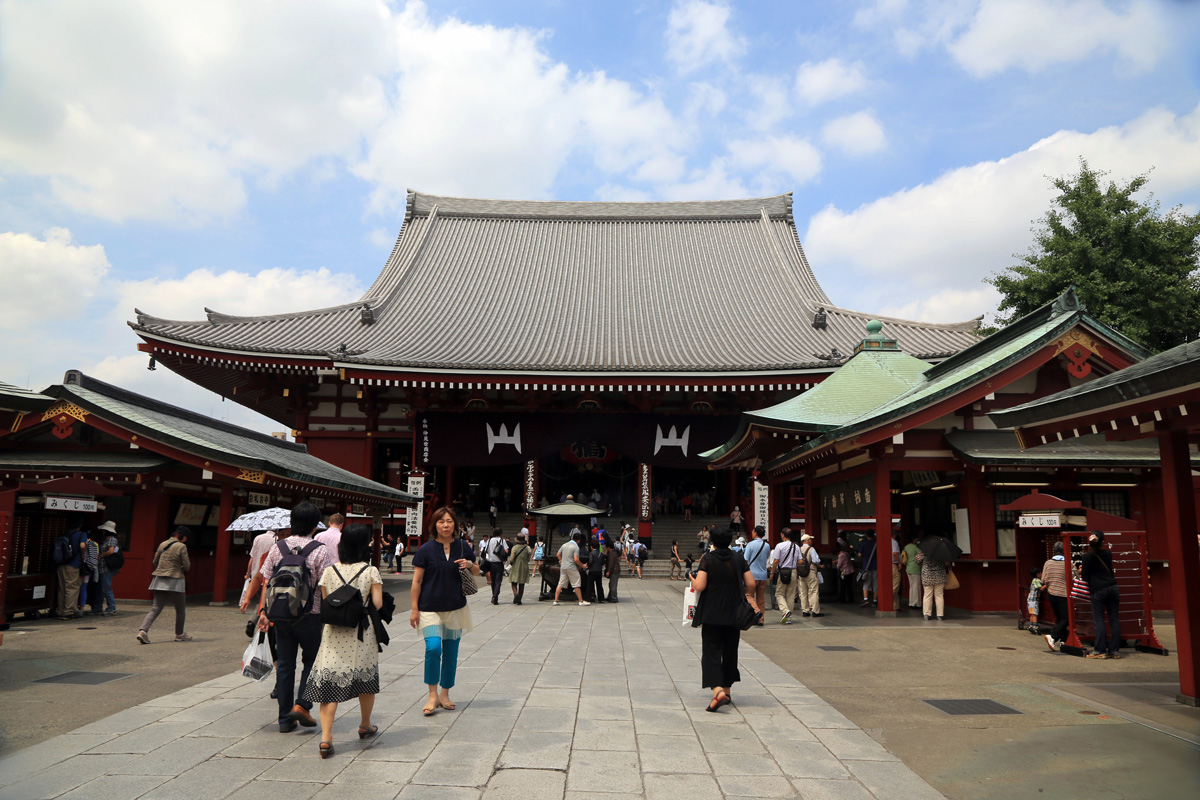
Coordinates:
column 333, row 533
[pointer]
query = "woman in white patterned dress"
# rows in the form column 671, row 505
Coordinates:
column 346, row 666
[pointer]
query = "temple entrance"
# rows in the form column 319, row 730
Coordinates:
column 605, row 479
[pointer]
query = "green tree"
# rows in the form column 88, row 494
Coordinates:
column 1134, row 267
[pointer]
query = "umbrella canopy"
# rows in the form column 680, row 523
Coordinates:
column 567, row 510
column 939, row 548
column 268, row 519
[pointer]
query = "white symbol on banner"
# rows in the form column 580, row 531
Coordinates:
column 671, row 439
column 503, row 437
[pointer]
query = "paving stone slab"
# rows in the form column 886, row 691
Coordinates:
column 743, row 764
column 755, row 786
column 613, row 707
column 806, row 760
column 306, row 766
column 478, row 729
column 147, row 738
column 725, row 740
column 780, row 727
column 456, row 766
column 390, row 773
column 853, row 745
column 63, row 777
column 32, row 760
column 403, row 743
column 525, row 784
column 673, row 787
column 536, row 750
column 661, row 721
column 174, row 757
column 417, row 792
column 368, row 791
column 600, row 772
column 269, row 790
column 604, row 734
column 217, row 777
column 893, row 781
column 114, row 787
column 548, row 720
column 817, row 789
column 821, row 716
column 675, row 754
column 265, row 744
column 128, row 720
column 554, row 698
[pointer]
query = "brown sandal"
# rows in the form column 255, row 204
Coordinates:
column 326, row 749
column 365, row 732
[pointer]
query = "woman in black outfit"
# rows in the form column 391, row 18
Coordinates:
column 721, row 579
column 1102, row 585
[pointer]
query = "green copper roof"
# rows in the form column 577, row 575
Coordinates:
column 869, row 378
column 131, row 462
column 213, row 439
column 977, row 363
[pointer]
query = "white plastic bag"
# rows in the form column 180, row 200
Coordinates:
column 690, row 598
column 256, row 660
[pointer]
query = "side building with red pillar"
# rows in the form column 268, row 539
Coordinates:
column 520, row 352
column 87, row 449
column 903, row 447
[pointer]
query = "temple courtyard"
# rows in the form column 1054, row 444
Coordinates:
column 604, row 701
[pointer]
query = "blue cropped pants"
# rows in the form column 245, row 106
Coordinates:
column 441, row 661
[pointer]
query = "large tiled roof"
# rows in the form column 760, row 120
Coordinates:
column 204, row 436
column 14, row 398
column 706, row 287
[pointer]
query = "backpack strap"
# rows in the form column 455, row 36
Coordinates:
column 307, row 550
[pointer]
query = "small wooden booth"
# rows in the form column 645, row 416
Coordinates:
column 1044, row 519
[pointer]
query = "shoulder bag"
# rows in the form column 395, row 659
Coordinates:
column 469, row 586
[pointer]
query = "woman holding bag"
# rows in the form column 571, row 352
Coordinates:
column 439, row 606
column 347, row 666
column 722, row 579
column 518, row 575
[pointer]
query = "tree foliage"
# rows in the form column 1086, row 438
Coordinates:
column 1134, row 267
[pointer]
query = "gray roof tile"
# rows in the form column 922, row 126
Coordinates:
column 587, row 287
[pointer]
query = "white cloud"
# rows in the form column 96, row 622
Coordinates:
column 947, row 305
column 135, row 109
column 791, row 158
column 270, row 291
column 1035, row 34
column 177, row 110
column 51, row 277
column 772, row 102
column 822, row 81
column 855, row 134
column 698, row 34
column 382, row 238
column 964, row 226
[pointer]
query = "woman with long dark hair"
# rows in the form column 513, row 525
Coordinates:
column 722, row 579
column 1097, row 571
column 439, row 607
column 347, row 666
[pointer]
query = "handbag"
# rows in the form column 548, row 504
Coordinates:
column 951, row 579
column 690, row 600
column 746, row 616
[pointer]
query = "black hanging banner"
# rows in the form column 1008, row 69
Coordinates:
column 482, row 438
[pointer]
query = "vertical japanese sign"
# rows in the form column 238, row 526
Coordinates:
column 531, row 484
column 762, row 505
column 645, row 509
column 414, row 517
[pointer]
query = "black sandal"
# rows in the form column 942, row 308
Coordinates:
column 365, row 732
column 326, row 749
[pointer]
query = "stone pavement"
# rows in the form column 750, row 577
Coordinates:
column 566, row 702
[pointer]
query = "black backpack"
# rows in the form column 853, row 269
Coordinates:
column 344, row 606
column 63, row 552
column 804, row 566
column 289, row 591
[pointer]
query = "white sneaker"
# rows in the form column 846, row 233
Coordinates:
column 556, row 602
column 584, row 603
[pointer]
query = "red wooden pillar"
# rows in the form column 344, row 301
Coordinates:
column 883, row 538
column 1179, row 511
column 224, row 545
column 812, row 513
column 8, row 504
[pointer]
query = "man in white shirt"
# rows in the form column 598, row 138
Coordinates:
column 332, row 535
column 810, row 585
column 495, row 552
column 783, row 565
column 258, row 548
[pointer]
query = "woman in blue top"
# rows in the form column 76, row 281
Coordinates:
column 439, row 607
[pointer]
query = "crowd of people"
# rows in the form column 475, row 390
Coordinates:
column 85, row 564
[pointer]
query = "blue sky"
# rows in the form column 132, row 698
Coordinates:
column 252, row 156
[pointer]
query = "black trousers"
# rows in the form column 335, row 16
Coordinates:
column 594, row 586
column 497, row 570
column 302, row 639
column 719, row 654
column 1059, row 604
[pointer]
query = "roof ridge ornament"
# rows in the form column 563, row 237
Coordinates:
column 875, row 339
column 820, row 319
column 1067, row 303
column 367, row 315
